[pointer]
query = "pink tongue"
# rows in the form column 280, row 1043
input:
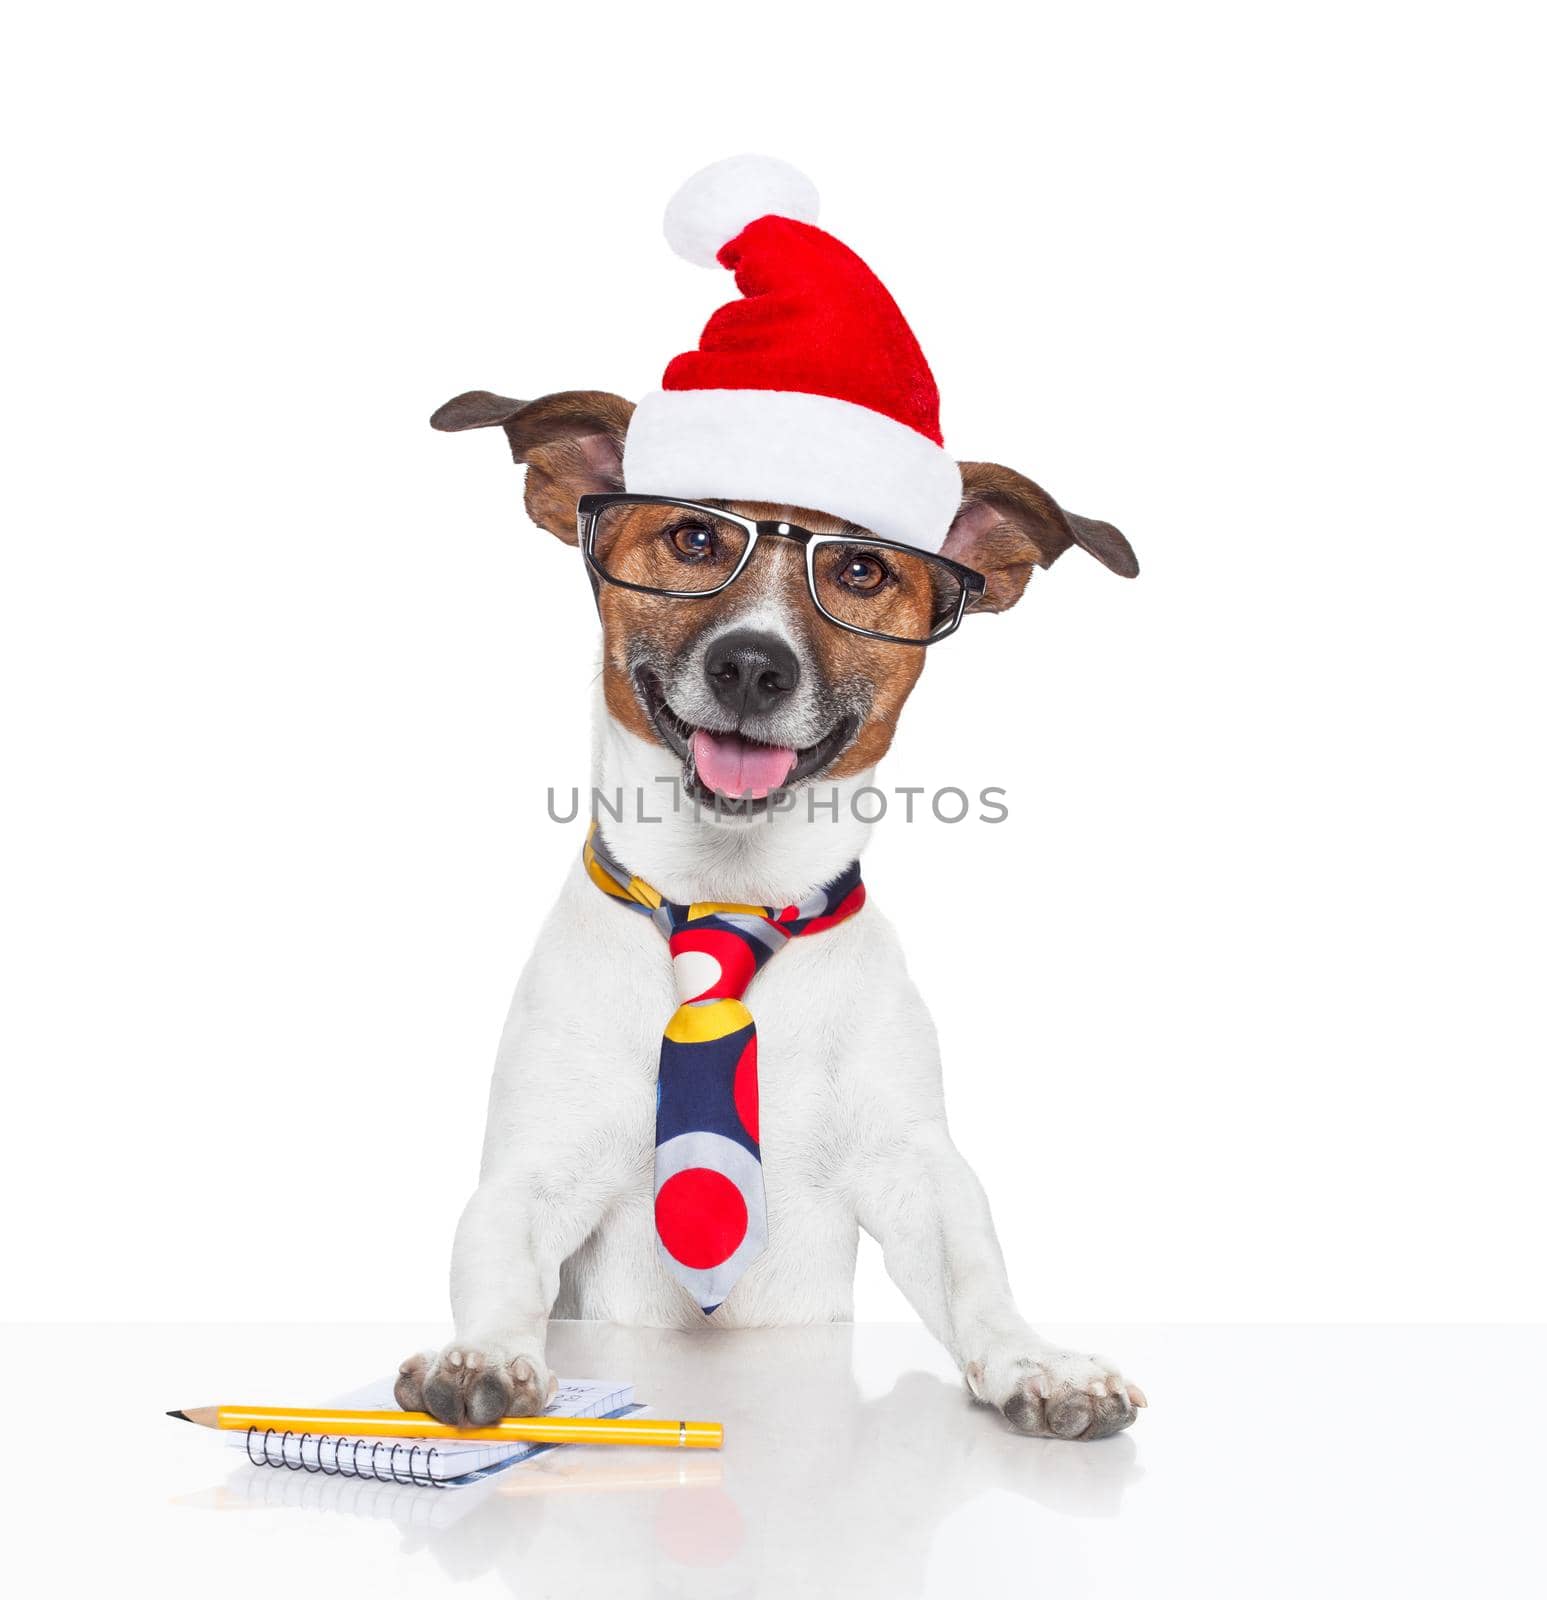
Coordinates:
column 737, row 768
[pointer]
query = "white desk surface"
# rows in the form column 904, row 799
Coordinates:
column 1272, row 1461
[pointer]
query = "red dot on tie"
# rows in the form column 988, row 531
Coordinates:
column 700, row 1216
column 744, row 1087
column 732, row 954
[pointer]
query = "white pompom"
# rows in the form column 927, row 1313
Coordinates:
column 714, row 205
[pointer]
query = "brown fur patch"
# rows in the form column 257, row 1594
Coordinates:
column 673, row 624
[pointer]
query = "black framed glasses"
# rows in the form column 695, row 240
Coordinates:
column 655, row 544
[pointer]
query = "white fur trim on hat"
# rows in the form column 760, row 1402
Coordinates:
column 794, row 449
column 714, row 205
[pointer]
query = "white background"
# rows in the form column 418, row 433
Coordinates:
column 1240, row 1007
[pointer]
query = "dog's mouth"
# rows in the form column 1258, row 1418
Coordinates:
column 728, row 769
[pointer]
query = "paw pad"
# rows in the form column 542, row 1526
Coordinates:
column 1057, row 1394
column 472, row 1388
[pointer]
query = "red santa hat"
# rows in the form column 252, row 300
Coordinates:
column 810, row 390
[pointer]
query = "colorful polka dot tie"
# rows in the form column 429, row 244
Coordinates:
column 710, row 1220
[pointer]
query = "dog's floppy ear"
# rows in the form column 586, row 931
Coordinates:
column 571, row 444
column 1008, row 524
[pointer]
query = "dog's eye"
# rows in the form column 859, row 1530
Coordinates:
column 693, row 541
column 864, row 574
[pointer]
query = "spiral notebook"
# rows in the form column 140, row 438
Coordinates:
column 438, row 1464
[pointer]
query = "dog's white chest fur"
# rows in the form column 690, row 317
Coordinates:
column 581, row 1052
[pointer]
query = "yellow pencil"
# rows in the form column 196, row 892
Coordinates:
column 421, row 1425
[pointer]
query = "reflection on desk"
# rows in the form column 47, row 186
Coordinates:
column 845, row 1450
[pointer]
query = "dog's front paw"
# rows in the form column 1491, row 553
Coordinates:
column 469, row 1386
column 1057, row 1394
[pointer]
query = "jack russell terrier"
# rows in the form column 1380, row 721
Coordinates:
column 772, row 539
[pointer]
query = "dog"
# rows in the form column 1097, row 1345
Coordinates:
column 741, row 699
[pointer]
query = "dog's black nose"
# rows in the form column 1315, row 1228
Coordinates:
column 750, row 672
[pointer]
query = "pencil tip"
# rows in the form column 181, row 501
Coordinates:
column 181, row 1416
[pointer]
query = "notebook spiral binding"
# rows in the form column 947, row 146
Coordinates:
column 386, row 1460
